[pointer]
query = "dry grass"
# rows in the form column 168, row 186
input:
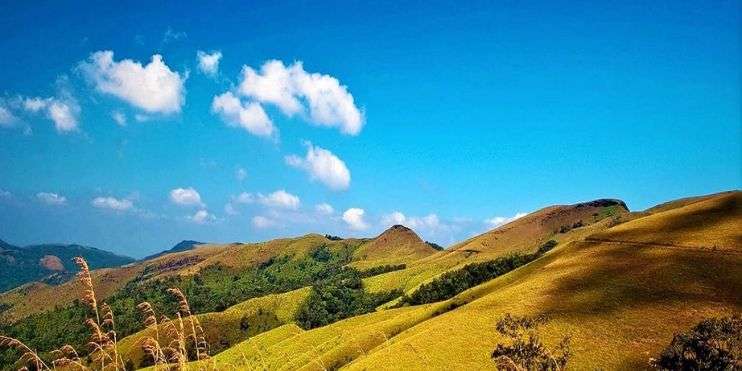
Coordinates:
column 185, row 330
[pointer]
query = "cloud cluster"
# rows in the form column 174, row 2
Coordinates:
column 324, row 209
column 322, row 165
column 53, row 199
column 154, row 87
column 279, row 199
column 202, row 217
column 354, row 218
column 318, row 98
column 112, row 203
column 208, row 63
column 247, row 115
column 62, row 111
column 186, row 197
column 7, row 118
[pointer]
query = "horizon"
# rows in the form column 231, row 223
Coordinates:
column 283, row 120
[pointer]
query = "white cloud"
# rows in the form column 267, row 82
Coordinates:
column 119, row 118
column 497, row 221
column 324, row 209
column 208, row 63
column 293, row 90
column 186, row 197
column 354, row 218
column 249, row 116
column 51, row 198
column 62, row 111
column 262, row 222
column 202, row 217
column 5, row 194
column 112, row 203
column 322, row 165
column 393, row 219
column 280, row 199
column 240, row 174
column 7, row 118
column 154, row 87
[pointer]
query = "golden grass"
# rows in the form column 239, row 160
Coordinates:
column 621, row 303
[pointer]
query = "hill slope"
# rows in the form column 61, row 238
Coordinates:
column 19, row 265
column 621, row 301
column 396, row 245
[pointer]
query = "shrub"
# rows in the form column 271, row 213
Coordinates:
column 338, row 297
column 714, row 344
column 375, row 271
column 525, row 350
column 435, row 246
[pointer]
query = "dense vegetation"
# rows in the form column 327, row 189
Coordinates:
column 337, row 297
column 714, row 344
column 454, row 282
column 524, row 350
column 215, row 288
column 375, row 271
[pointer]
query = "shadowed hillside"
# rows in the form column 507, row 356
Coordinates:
column 621, row 303
column 51, row 262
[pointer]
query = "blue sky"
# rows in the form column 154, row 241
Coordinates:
column 448, row 117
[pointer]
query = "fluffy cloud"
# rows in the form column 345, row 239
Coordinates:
column 51, row 198
column 154, row 87
column 186, row 197
column 208, row 63
column 249, row 115
column 502, row 220
column 293, row 90
column 202, row 217
column 353, row 217
column 280, row 199
column 324, row 209
column 5, row 194
column 112, row 203
column 322, row 165
column 262, row 222
column 119, row 118
column 63, row 111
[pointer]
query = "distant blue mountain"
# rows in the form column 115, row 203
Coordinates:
column 19, row 265
column 184, row 245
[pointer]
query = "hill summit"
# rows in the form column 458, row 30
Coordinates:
column 396, row 245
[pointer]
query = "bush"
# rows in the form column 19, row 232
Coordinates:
column 435, row 246
column 525, row 350
column 338, row 297
column 375, row 271
column 452, row 283
column 714, row 344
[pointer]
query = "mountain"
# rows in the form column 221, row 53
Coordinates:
column 20, row 265
column 184, row 245
column 397, row 245
column 619, row 283
column 620, row 291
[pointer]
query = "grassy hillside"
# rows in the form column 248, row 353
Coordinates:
column 19, row 265
column 561, row 223
column 621, row 301
column 397, row 245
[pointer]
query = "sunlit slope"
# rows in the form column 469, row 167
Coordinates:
column 561, row 223
column 397, row 245
column 38, row 297
column 709, row 223
column 223, row 329
column 620, row 302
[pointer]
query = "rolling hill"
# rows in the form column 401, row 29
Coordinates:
column 49, row 262
column 620, row 293
column 618, row 283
